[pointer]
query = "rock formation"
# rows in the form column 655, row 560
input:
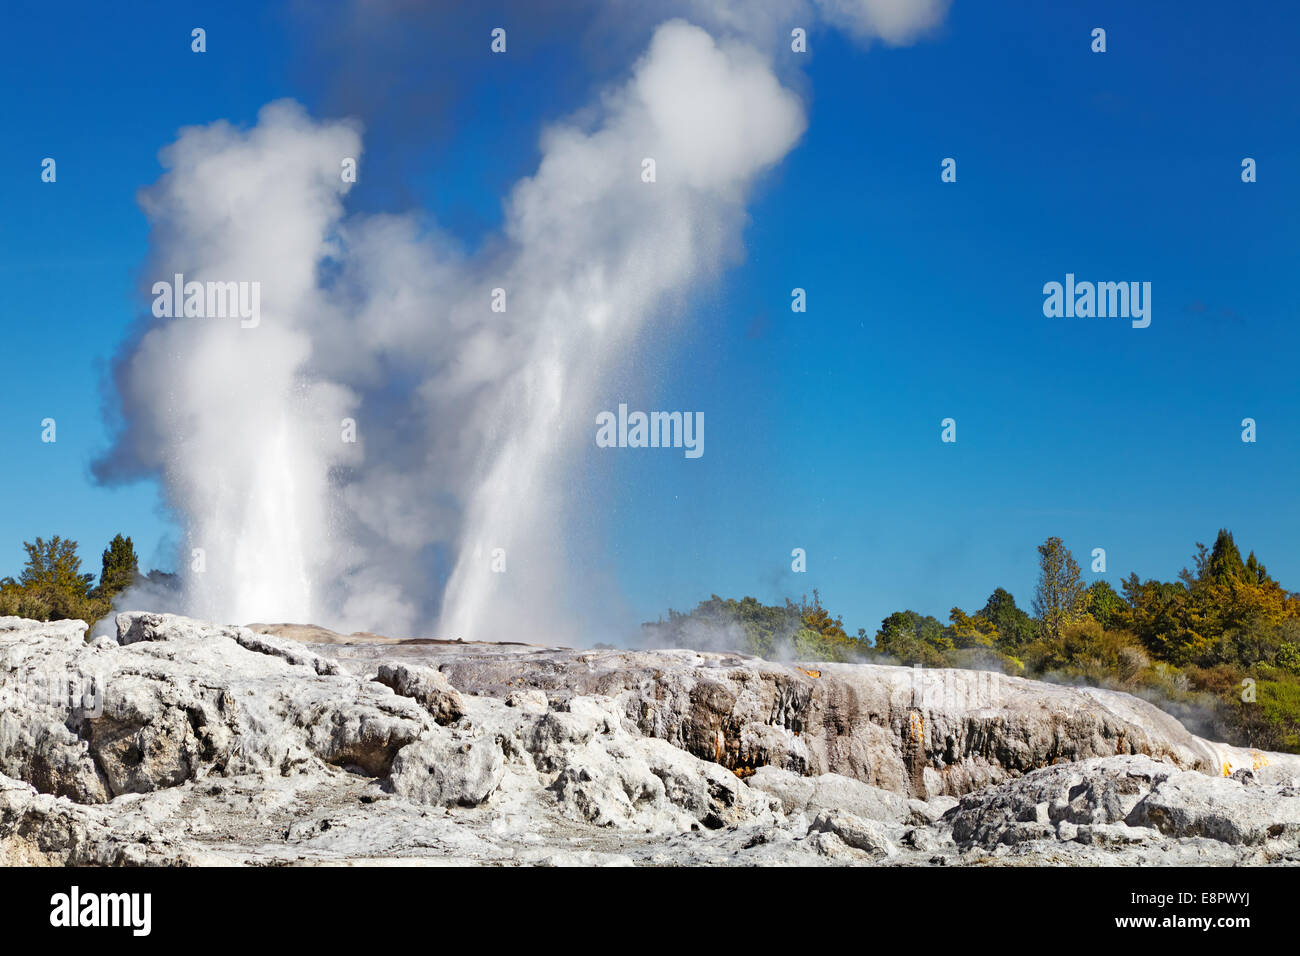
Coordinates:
column 184, row 742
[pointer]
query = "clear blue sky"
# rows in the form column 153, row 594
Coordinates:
column 822, row 428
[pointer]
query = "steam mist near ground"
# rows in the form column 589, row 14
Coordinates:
column 466, row 418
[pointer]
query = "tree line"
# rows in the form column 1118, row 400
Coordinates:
column 1219, row 647
column 53, row 586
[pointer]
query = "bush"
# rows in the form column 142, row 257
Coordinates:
column 1288, row 658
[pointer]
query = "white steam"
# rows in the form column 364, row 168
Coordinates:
column 225, row 414
column 466, row 419
column 598, row 251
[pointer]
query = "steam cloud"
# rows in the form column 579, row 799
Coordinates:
column 466, row 418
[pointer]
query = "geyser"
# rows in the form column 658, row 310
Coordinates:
column 381, row 431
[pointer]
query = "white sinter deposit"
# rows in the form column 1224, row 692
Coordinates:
column 184, row 742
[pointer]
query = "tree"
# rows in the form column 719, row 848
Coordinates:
column 1231, row 611
column 1015, row 627
column 52, row 580
column 821, row 636
column 119, row 567
column 807, row 630
column 55, row 564
column 816, row 618
column 966, row 631
column 1105, row 605
column 1225, row 562
column 746, row 625
column 1162, row 617
column 1059, row 598
column 910, row 638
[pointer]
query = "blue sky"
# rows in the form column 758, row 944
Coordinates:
column 822, row 428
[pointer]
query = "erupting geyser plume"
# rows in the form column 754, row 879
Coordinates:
column 465, row 417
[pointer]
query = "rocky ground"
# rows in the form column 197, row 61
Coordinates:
column 181, row 742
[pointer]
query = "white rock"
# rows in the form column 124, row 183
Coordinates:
column 448, row 769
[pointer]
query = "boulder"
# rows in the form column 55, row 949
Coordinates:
column 830, row 791
column 1237, row 811
column 448, row 769
column 428, row 687
column 869, row 836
